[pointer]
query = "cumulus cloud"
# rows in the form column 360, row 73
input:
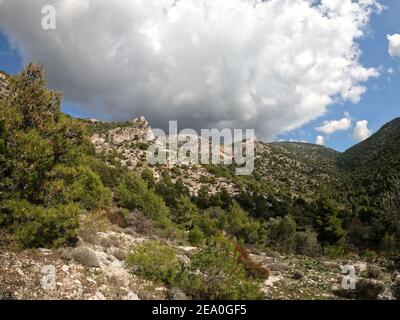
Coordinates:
column 394, row 45
column 272, row 66
column 361, row 131
column 330, row 127
column 320, row 140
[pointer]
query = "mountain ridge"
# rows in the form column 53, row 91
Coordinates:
column 108, row 219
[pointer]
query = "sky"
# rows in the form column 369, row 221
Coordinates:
column 321, row 72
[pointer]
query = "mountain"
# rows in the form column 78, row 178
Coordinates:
column 292, row 168
column 372, row 165
column 115, row 226
column 296, row 168
column 380, row 152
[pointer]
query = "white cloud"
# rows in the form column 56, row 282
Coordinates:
column 273, row 66
column 361, row 131
column 330, row 127
column 394, row 45
column 320, row 140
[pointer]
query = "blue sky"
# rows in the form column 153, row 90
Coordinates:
column 380, row 104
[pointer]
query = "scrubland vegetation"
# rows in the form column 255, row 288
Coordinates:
column 50, row 177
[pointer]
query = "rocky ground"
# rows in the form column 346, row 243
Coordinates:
column 97, row 271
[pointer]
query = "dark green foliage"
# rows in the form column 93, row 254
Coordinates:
column 371, row 177
column 306, row 243
column 328, row 224
column 110, row 176
column 203, row 198
column 155, row 262
column 171, row 191
column 44, row 158
column 234, row 221
column 240, row 225
column 211, row 221
column 184, row 212
column 148, row 176
column 196, row 237
column 366, row 289
column 282, row 233
column 391, row 213
column 389, row 245
column 76, row 184
column 378, row 155
column 216, row 272
column 133, row 193
column 35, row 226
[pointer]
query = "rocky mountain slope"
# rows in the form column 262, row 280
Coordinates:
column 82, row 218
column 297, row 169
column 373, row 166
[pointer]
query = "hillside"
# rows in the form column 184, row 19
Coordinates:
column 295, row 169
column 84, row 216
column 380, row 152
column 372, row 165
column 300, row 169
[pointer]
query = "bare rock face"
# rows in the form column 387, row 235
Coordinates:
column 138, row 131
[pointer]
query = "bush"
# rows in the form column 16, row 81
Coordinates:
column 184, row 212
column 148, row 177
column 328, row 224
column 369, row 254
column 77, row 184
column 373, row 272
column 196, row 237
column 297, row 275
column 388, row 244
column 365, row 290
column 133, row 193
column 282, row 233
column 118, row 217
column 36, row 226
column 396, row 289
column 91, row 224
column 334, row 251
column 140, row 223
column 86, row 257
column 215, row 272
column 211, row 221
column 306, row 243
column 154, row 261
column 241, row 225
